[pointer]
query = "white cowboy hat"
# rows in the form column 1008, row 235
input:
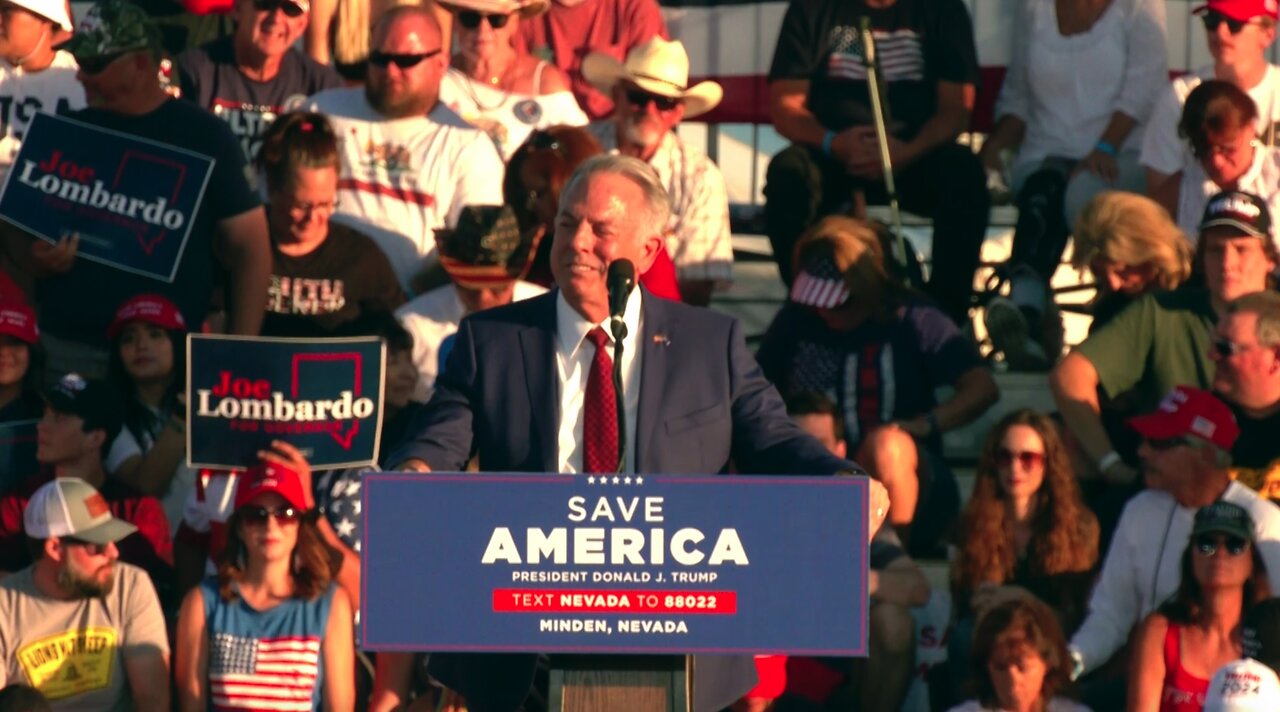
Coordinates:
column 659, row 67
column 526, row 8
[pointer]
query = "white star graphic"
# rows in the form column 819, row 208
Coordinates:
column 356, row 547
column 626, row 480
column 346, row 527
column 591, row 480
column 639, row 480
column 355, row 507
column 353, row 488
column 615, row 479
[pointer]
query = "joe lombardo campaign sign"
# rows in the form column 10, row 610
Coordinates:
column 322, row 395
column 131, row 201
column 615, row 564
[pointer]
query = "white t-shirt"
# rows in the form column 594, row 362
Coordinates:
column 1262, row 179
column 51, row 90
column 403, row 179
column 174, row 499
column 1065, row 88
column 433, row 319
column 1166, row 152
column 506, row 116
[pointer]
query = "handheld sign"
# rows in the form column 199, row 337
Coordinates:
column 625, row 564
column 322, row 395
column 131, row 201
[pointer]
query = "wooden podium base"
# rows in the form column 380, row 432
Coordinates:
column 619, row 683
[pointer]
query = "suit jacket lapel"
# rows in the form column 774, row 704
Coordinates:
column 537, row 345
column 653, row 345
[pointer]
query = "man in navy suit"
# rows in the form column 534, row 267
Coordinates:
column 515, row 393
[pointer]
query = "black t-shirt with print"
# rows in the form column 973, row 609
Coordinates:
column 209, row 77
column 315, row 293
column 918, row 42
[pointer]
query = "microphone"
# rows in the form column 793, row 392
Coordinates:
column 620, row 279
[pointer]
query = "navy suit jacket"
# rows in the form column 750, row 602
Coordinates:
column 703, row 403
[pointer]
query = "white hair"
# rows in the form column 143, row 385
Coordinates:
column 657, row 204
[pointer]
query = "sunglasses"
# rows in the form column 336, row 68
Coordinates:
column 96, row 65
column 1209, row 544
column 258, row 516
column 1214, row 20
column 640, row 98
column 91, row 548
column 1029, row 459
column 470, row 19
column 305, row 209
column 288, row 8
column 1167, row 443
column 403, row 61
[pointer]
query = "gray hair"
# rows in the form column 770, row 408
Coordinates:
column 1266, row 305
column 657, row 203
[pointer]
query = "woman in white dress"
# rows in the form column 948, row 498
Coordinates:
column 508, row 94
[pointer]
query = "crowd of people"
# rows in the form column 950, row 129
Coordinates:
column 454, row 177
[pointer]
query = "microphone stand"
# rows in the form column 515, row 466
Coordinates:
column 619, row 329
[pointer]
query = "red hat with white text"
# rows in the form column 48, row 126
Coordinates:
column 1189, row 411
column 19, row 321
column 1243, row 10
column 149, row 308
column 270, row 477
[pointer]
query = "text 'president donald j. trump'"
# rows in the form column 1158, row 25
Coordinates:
column 527, row 387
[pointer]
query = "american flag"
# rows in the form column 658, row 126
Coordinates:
column 263, row 673
column 819, row 284
column 901, row 58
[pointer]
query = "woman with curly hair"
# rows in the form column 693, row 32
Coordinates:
column 1178, row 648
column 275, row 592
column 1025, row 531
column 1020, row 661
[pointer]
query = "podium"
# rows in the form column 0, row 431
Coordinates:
column 649, row 593
column 643, row 683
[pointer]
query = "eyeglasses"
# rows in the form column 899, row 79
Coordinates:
column 96, row 65
column 90, row 548
column 640, row 99
column 258, row 516
column 470, row 19
column 288, row 8
column 403, row 61
column 1210, row 544
column 1029, row 459
column 1213, row 20
column 302, row 210
column 1167, row 443
column 1227, row 347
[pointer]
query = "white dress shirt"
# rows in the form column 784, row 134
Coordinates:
column 574, row 354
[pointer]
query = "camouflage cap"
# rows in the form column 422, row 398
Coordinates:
column 487, row 247
column 112, row 27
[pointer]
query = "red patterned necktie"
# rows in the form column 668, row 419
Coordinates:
column 600, row 411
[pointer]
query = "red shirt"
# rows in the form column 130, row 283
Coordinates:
column 661, row 277
column 149, row 548
column 565, row 35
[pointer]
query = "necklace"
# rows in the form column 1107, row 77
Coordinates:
column 496, row 81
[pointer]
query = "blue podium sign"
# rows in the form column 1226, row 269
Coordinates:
column 131, row 201
column 604, row 564
column 324, row 396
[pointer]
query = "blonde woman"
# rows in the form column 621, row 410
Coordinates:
column 1132, row 247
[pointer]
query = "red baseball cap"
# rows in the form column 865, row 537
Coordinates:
column 151, row 308
column 19, row 321
column 270, row 477
column 1243, row 10
column 1189, row 411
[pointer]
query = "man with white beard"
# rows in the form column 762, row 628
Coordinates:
column 651, row 96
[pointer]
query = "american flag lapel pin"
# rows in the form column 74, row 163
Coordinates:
column 661, row 340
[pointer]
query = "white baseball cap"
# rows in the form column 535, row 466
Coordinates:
column 71, row 507
column 1243, row 686
column 53, row 10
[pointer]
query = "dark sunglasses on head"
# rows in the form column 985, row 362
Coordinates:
column 640, row 98
column 258, row 516
column 1209, row 544
column 1213, row 19
column 403, row 61
column 1027, row 458
column 1167, row 443
column 91, row 548
column 470, row 19
column 96, row 65
column 288, row 8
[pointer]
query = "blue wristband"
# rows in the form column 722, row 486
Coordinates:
column 1106, row 148
column 827, row 139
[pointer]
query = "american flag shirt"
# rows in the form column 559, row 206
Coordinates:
column 265, row 660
